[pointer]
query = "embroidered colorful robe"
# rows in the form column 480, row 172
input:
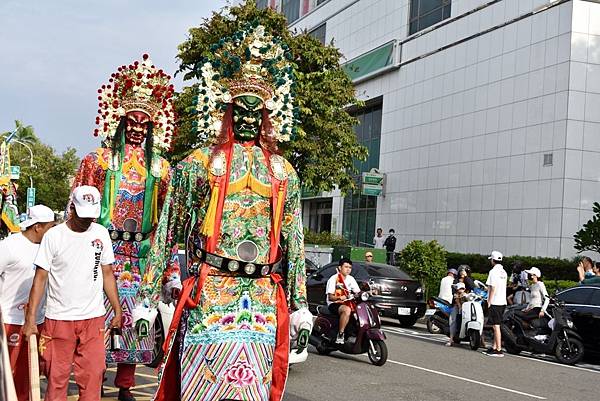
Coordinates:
column 130, row 256
column 224, row 347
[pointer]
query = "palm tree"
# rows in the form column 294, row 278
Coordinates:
column 24, row 133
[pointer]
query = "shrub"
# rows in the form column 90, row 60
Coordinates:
column 425, row 261
column 551, row 268
column 551, row 285
column 324, row 238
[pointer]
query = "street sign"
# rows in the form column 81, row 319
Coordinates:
column 30, row 197
column 372, row 183
column 15, row 172
column 371, row 190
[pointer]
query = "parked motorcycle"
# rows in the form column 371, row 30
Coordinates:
column 363, row 333
column 438, row 316
column 554, row 333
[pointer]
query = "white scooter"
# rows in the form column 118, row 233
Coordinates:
column 301, row 323
column 471, row 325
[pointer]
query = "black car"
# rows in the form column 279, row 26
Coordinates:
column 583, row 303
column 398, row 295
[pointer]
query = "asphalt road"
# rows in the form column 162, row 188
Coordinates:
column 420, row 368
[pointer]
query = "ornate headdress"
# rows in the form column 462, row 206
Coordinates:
column 138, row 87
column 250, row 62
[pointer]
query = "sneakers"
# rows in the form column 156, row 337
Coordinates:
column 340, row 339
column 125, row 395
column 494, row 352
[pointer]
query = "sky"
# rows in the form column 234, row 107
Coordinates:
column 55, row 54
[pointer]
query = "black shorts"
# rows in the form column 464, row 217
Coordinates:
column 495, row 314
column 334, row 308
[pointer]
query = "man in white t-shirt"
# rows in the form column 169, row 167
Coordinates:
column 339, row 289
column 446, row 285
column 17, row 253
column 75, row 259
column 378, row 239
column 496, row 283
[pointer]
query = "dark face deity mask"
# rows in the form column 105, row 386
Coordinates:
column 247, row 117
column 136, row 128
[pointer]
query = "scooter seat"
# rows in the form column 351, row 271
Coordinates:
column 442, row 301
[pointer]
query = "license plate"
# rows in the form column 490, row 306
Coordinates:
column 429, row 312
column 404, row 311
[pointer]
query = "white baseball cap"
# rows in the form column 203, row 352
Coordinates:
column 534, row 271
column 87, row 201
column 495, row 256
column 459, row 286
column 37, row 214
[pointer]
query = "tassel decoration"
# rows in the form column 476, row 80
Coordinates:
column 211, row 213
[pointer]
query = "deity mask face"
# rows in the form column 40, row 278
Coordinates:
column 247, row 117
column 137, row 127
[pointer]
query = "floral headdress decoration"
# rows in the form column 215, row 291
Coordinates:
column 138, row 87
column 250, row 62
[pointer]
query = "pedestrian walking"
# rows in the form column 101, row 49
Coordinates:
column 75, row 260
column 390, row 247
column 496, row 283
column 17, row 253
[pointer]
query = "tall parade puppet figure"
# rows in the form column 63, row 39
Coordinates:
column 136, row 122
column 236, row 206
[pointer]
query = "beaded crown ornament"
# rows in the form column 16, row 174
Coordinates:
column 138, row 87
column 250, row 62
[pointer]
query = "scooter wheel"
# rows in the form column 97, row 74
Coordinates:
column 432, row 327
column 474, row 340
column 570, row 353
column 322, row 350
column 378, row 352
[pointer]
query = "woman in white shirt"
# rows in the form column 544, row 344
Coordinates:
column 539, row 297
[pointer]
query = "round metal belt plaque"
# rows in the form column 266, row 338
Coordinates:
column 247, row 251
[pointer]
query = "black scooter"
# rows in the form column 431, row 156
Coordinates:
column 363, row 332
column 554, row 333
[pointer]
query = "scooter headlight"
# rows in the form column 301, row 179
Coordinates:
column 364, row 296
column 569, row 323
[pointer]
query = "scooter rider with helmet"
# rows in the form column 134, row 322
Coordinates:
column 464, row 276
column 340, row 289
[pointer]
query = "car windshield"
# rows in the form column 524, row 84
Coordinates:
column 380, row 270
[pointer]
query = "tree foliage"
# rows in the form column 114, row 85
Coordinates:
column 51, row 173
column 25, row 133
column 588, row 238
column 325, row 146
column 425, row 261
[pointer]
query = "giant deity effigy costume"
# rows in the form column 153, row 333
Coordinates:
column 136, row 122
column 236, row 206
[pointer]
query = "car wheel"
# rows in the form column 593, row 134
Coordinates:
column 407, row 321
column 377, row 352
column 569, row 353
column 474, row 340
column 432, row 327
column 159, row 339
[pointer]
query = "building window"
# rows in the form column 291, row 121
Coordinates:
column 548, row 159
column 319, row 214
column 360, row 210
column 291, row 10
column 425, row 13
column 262, row 4
column 319, row 33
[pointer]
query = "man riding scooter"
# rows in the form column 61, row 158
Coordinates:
column 339, row 289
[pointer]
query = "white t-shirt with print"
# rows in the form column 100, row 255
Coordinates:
column 16, row 278
column 74, row 264
column 350, row 282
column 378, row 242
column 497, row 279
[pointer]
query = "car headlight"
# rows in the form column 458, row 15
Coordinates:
column 419, row 291
column 364, row 296
column 569, row 323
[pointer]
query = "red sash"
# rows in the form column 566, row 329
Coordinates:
column 344, row 291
